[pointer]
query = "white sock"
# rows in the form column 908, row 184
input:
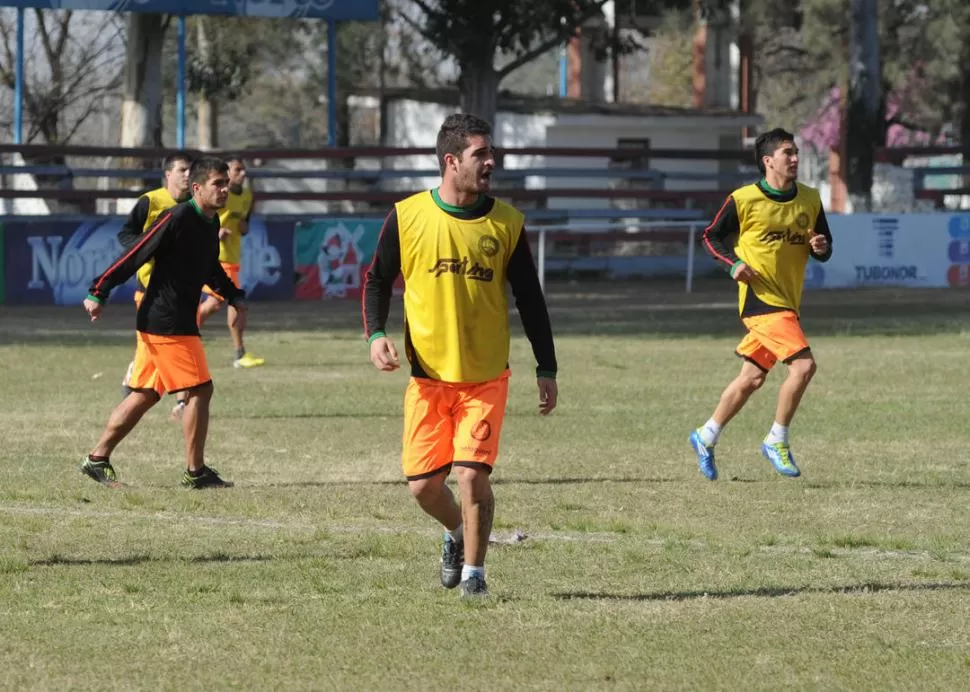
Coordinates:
column 468, row 571
column 457, row 533
column 709, row 432
column 778, row 433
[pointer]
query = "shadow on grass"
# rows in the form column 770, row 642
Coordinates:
column 768, row 591
column 132, row 560
column 892, row 485
column 310, row 416
column 495, row 481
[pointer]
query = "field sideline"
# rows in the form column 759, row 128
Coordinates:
column 614, row 565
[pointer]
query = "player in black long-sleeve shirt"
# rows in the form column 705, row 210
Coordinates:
column 184, row 244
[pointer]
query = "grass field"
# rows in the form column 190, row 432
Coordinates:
column 318, row 571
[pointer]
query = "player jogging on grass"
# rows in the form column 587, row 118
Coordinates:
column 184, row 244
column 774, row 225
column 456, row 248
column 233, row 225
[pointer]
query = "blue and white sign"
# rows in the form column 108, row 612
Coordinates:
column 910, row 250
column 53, row 262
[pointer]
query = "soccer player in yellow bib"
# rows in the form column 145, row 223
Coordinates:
column 774, row 225
column 234, row 224
column 140, row 220
column 456, row 248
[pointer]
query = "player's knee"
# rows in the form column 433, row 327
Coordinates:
column 804, row 368
column 473, row 481
column 203, row 392
column 752, row 381
column 426, row 490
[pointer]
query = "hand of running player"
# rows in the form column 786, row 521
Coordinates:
column 223, row 232
column 742, row 272
column 548, row 395
column 93, row 308
column 819, row 243
column 383, row 354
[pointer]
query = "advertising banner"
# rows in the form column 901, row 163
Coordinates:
column 53, row 262
column 332, row 256
column 910, row 250
column 267, row 260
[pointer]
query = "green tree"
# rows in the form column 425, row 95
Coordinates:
column 475, row 32
column 223, row 56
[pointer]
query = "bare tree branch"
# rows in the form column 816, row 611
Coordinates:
column 552, row 42
column 65, row 26
column 429, row 11
column 530, row 55
column 45, row 38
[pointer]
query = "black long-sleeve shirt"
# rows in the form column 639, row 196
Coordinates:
column 772, row 233
column 522, row 276
column 719, row 236
column 185, row 246
column 134, row 224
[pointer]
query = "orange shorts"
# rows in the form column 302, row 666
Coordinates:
column 168, row 363
column 772, row 337
column 233, row 271
column 447, row 423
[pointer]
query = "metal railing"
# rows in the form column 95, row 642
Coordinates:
column 629, row 230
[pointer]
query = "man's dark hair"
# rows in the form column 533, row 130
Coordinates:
column 231, row 158
column 172, row 159
column 768, row 142
column 454, row 133
column 202, row 168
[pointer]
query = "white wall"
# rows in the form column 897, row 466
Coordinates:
column 415, row 124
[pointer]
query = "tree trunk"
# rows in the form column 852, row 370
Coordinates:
column 862, row 115
column 964, row 63
column 141, row 107
column 208, row 123
column 208, row 109
column 479, row 90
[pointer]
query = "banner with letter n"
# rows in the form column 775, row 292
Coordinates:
column 53, row 262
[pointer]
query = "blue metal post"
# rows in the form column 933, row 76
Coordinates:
column 180, row 87
column 18, row 105
column 563, row 72
column 331, row 83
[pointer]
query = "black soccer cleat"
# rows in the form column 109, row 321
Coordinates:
column 452, row 556
column 207, row 478
column 100, row 471
column 474, row 587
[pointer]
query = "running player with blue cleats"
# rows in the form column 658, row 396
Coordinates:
column 765, row 234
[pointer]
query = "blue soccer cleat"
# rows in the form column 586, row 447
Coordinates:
column 705, row 456
column 780, row 456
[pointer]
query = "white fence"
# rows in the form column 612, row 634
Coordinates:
column 629, row 230
column 907, row 250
